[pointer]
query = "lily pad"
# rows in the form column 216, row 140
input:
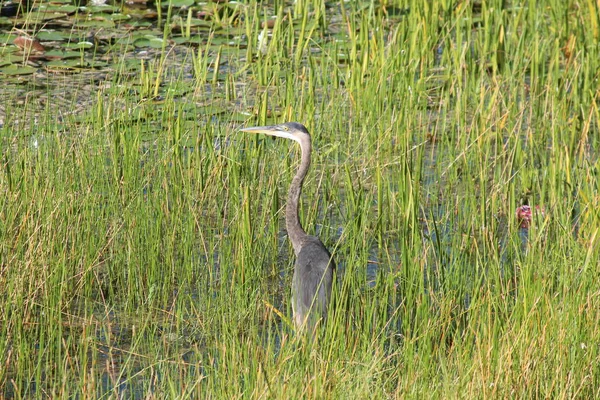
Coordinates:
column 29, row 44
column 8, row 50
column 119, row 17
column 54, row 36
column 10, row 58
column 153, row 42
column 140, row 24
column 182, row 3
column 178, row 89
column 38, row 17
column 102, row 23
column 127, row 64
column 72, row 65
column 194, row 39
column 14, row 69
column 101, row 9
column 64, row 8
column 6, row 37
column 63, row 54
column 80, row 45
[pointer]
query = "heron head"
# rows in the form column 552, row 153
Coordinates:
column 288, row 130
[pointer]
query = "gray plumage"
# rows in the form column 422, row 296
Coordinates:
column 313, row 270
column 311, row 284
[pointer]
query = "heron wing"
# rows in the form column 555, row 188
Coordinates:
column 313, row 277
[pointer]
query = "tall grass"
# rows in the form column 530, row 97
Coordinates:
column 142, row 248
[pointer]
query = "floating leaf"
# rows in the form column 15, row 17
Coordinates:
column 119, row 17
column 72, row 65
column 63, row 54
column 54, row 36
column 79, row 45
column 182, row 3
column 7, row 50
column 29, row 44
column 38, row 17
column 149, row 41
column 17, row 70
column 101, row 9
column 10, row 58
column 6, row 37
column 65, row 8
column 103, row 23
column 194, row 39
column 128, row 64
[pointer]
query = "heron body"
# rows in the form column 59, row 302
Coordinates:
column 311, row 284
column 314, row 266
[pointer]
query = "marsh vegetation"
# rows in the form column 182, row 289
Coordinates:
column 142, row 244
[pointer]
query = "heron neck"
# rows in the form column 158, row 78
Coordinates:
column 295, row 231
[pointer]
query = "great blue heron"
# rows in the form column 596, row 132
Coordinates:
column 313, row 270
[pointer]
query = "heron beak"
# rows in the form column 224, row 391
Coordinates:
column 271, row 130
column 267, row 130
